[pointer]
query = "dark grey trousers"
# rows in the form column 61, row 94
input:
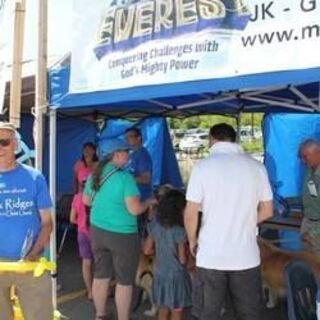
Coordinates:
column 211, row 287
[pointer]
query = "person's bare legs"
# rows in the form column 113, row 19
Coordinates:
column 123, row 301
column 176, row 314
column 163, row 314
column 87, row 276
column 100, row 294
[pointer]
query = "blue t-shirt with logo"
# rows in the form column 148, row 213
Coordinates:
column 23, row 192
column 139, row 162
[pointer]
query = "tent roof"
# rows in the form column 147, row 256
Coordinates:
column 269, row 92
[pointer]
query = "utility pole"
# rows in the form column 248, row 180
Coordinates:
column 41, row 82
column 15, row 86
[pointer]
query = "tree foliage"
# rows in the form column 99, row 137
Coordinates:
column 207, row 121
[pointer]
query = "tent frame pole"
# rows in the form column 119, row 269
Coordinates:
column 205, row 102
column 41, row 82
column 16, row 80
column 161, row 104
column 52, row 186
column 277, row 103
column 304, row 98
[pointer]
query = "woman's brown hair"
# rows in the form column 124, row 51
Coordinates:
column 96, row 174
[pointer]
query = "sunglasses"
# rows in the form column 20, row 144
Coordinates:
column 5, row 142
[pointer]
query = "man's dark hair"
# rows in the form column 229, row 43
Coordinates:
column 223, row 132
column 137, row 131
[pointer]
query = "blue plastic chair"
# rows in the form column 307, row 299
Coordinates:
column 301, row 291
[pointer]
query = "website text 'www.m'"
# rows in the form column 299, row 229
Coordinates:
column 284, row 36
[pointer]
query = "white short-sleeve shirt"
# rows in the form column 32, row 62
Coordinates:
column 229, row 186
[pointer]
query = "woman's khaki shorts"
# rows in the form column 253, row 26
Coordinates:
column 115, row 255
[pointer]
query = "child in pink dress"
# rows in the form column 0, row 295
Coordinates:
column 78, row 216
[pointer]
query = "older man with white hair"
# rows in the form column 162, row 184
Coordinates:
column 309, row 152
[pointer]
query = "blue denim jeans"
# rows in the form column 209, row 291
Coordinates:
column 211, row 287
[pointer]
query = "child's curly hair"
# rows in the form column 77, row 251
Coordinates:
column 170, row 209
column 162, row 190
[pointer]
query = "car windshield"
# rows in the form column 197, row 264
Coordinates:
column 189, row 136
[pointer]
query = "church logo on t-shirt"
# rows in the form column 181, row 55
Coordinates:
column 14, row 202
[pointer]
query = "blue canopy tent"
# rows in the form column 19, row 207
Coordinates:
column 244, row 90
column 281, row 91
column 171, row 60
column 283, row 134
column 71, row 134
column 287, row 91
column 274, row 92
column 156, row 138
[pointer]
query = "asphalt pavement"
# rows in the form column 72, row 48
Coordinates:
column 73, row 303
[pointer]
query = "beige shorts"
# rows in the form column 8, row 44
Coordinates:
column 34, row 294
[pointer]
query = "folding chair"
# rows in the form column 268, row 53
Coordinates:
column 62, row 213
column 301, row 291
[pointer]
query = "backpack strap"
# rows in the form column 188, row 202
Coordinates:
column 102, row 181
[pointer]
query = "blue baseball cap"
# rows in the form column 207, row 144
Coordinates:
column 109, row 146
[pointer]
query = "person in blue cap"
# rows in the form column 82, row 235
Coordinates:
column 115, row 204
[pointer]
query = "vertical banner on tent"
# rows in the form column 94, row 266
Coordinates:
column 128, row 43
column 6, row 42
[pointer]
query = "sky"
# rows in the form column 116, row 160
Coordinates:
column 59, row 27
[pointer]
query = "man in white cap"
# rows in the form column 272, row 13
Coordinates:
column 25, row 228
column 309, row 152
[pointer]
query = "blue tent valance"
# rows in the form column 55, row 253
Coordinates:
column 269, row 92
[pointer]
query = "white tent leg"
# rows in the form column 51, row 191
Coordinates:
column 304, row 98
column 52, row 185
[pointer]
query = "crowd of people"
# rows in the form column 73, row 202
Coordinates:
column 227, row 257
column 214, row 224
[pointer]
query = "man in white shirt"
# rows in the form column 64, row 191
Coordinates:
column 234, row 194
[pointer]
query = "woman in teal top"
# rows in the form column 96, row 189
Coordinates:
column 115, row 204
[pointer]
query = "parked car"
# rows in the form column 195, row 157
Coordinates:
column 249, row 134
column 257, row 133
column 193, row 142
column 245, row 135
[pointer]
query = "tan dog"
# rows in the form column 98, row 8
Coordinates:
column 273, row 262
column 144, row 277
